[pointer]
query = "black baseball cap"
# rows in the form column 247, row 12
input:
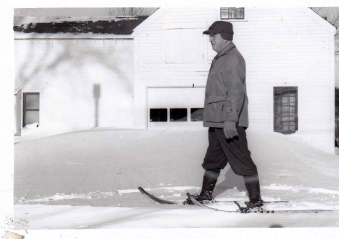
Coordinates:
column 224, row 28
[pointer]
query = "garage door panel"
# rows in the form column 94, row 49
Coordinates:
column 181, row 107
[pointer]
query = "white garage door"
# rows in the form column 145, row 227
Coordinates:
column 175, row 108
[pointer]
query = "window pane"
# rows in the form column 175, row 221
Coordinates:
column 285, row 100
column 240, row 13
column 293, row 91
column 158, row 115
column 285, row 119
column 231, row 12
column 277, row 91
column 32, row 101
column 178, row 115
column 197, row 114
column 224, row 13
column 285, row 110
column 292, row 110
column 285, row 129
column 31, row 117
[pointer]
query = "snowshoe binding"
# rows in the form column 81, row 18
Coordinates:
column 255, row 207
column 205, row 195
column 204, row 199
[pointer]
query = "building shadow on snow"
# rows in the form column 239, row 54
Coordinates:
column 230, row 181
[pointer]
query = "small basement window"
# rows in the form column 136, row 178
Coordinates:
column 232, row 13
column 31, row 108
column 178, row 114
column 285, row 109
column 158, row 115
column 197, row 114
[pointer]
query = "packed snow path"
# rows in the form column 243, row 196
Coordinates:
column 89, row 179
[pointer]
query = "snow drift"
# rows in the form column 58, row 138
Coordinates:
column 98, row 171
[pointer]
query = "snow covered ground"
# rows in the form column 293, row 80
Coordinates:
column 89, row 179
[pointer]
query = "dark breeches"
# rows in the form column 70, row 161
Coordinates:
column 233, row 151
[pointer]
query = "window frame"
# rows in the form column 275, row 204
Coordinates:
column 287, row 89
column 228, row 18
column 24, row 109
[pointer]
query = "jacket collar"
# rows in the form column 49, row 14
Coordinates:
column 224, row 51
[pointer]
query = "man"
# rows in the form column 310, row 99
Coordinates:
column 226, row 115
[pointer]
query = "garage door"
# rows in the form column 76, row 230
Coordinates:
column 175, row 108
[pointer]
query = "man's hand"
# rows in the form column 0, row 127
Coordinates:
column 230, row 130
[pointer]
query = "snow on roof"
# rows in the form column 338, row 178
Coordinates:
column 97, row 25
column 19, row 20
column 54, row 36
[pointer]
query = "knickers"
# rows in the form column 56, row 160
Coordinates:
column 233, row 151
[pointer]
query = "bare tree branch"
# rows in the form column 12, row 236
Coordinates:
column 127, row 11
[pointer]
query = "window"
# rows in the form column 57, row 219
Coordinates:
column 197, row 114
column 232, row 13
column 18, row 112
column 178, row 114
column 285, row 109
column 31, row 108
column 158, row 115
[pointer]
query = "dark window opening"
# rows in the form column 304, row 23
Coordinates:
column 31, row 108
column 285, row 109
column 197, row 114
column 158, row 115
column 178, row 114
column 232, row 13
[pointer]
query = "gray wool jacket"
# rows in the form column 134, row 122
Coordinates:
column 225, row 95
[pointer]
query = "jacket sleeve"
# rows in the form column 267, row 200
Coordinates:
column 235, row 85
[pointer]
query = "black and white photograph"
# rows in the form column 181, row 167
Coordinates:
column 175, row 117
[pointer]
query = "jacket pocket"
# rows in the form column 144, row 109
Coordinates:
column 213, row 111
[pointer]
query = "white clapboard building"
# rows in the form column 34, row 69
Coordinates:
column 155, row 77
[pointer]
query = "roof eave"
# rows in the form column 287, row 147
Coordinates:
column 326, row 24
column 22, row 36
column 148, row 21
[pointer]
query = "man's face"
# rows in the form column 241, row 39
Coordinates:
column 218, row 43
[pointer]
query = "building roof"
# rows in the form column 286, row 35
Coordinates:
column 115, row 26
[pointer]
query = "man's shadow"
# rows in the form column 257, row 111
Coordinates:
column 229, row 180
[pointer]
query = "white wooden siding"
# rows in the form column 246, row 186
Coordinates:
column 188, row 39
column 282, row 47
column 66, row 70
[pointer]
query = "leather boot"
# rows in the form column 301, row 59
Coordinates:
column 253, row 190
column 208, row 186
